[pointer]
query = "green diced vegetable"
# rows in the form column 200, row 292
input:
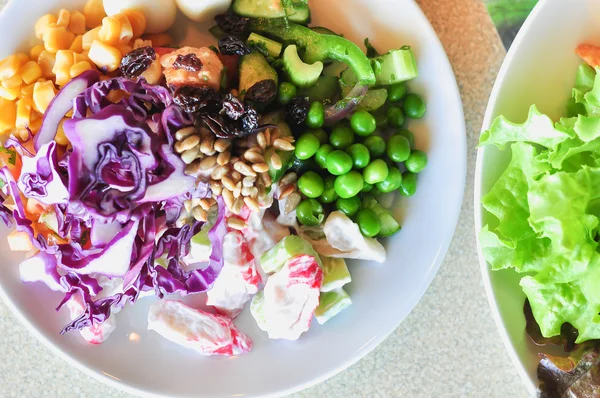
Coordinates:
column 273, row 47
column 335, row 274
column 334, row 69
column 299, row 72
column 254, row 69
column 290, row 246
column 373, row 100
column 217, row 32
column 397, row 66
column 331, row 304
column 323, row 30
column 325, row 88
column 389, row 226
column 294, row 10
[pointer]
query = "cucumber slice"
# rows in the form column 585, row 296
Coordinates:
column 217, row 32
column 290, row 246
column 331, row 304
column 300, row 73
column 325, row 88
column 334, row 69
column 254, row 68
column 273, row 47
column 295, row 10
column 389, row 225
column 396, row 66
column 373, row 100
column 335, row 273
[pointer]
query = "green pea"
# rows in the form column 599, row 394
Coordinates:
column 329, row 195
column 395, row 116
column 380, row 117
column 409, row 184
column 416, row 162
column 414, row 106
column 391, row 182
column 363, row 123
column 348, row 206
column 375, row 172
column 396, row 92
column 287, row 92
column 398, row 148
column 367, row 187
column 349, row 185
column 341, row 137
column 311, row 184
column 310, row 213
column 320, row 134
column 306, row 146
column 368, row 222
column 409, row 136
column 321, row 155
column 316, row 115
column 375, row 145
column 339, row 162
column 360, row 155
column 386, row 199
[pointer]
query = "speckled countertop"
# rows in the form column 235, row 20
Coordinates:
column 447, row 347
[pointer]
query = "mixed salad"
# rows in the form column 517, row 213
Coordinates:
column 545, row 226
column 247, row 170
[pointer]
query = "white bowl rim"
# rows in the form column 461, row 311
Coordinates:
column 530, row 383
column 461, row 163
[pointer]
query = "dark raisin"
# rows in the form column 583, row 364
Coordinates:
column 232, row 24
column 250, row 119
column 297, row 110
column 262, row 92
column 196, row 99
column 189, row 62
column 137, row 61
column 222, row 127
column 233, row 107
column 231, row 45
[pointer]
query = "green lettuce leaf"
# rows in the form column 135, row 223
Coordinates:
column 537, row 129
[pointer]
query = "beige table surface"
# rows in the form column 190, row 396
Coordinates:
column 447, row 347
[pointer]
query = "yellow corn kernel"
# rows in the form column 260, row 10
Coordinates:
column 159, row 39
column 64, row 18
column 126, row 31
column 154, row 73
column 13, row 82
column 137, row 21
column 77, row 23
column 78, row 68
column 89, row 37
column 9, row 67
column 30, row 72
column 27, row 91
column 43, row 24
column 139, row 43
column 57, row 38
column 77, row 58
column 61, row 138
column 10, row 94
column 8, row 115
column 46, row 61
column 24, row 106
column 43, row 94
column 104, row 56
column 35, row 51
column 77, row 45
column 23, row 58
column 62, row 67
column 110, row 30
column 94, row 13
column 35, row 124
column 124, row 48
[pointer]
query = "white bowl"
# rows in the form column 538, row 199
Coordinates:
column 539, row 69
column 383, row 295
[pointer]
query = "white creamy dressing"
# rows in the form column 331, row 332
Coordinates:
column 205, row 333
column 239, row 279
column 286, row 306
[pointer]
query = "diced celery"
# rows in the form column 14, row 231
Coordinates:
column 331, row 304
column 291, row 246
column 335, row 273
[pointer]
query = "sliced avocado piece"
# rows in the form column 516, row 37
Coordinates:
column 255, row 69
column 271, row 46
column 332, row 303
column 335, row 273
column 373, row 100
column 295, row 10
column 396, row 66
column 291, row 246
column 300, row 73
column 389, row 225
column 325, row 88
